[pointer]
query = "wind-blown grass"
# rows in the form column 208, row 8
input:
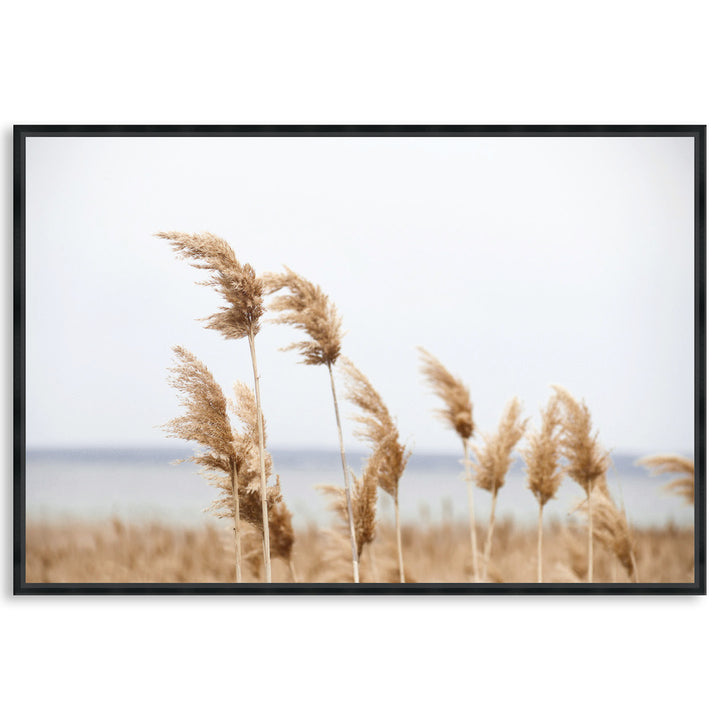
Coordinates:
column 457, row 413
column 587, row 463
column 364, row 501
column 243, row 291
column 121, row 551
column 378, row 428
column 250, row 507
column 306, row 307
column 683, row 486
column 611, row 528
column 542, row 461
column 230, row 459
column 493, row 462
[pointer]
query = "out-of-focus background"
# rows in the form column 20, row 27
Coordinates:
column 519, row 262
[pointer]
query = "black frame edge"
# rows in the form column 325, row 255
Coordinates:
column 22, row 132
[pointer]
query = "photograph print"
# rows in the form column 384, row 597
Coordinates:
column 326, row 359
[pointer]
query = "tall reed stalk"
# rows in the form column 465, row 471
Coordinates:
column 493, row 462
column 243, row 291
column 307, row 308
column 346, row 475
column 457, row 413
column 587, row 463
column 228, row 457
column 544, row 475
column 377, row 427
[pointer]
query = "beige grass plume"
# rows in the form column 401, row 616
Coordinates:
column 379, row 429
column 542, row 461
column 306, row 307
column 238, row 285
column 493, row 462
column 587, row 463
column 282, row 535
column 683, row 486
column 249, row 480
column 457, row 413
column 249, row 476
column 206, row 423
column 611, row 529
column 205, row 420
column 364, row 503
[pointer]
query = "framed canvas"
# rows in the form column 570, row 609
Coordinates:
column 392, row 359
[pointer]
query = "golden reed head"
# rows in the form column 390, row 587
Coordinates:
column 236, row 283
column 306, row 307
column 493, row 460
column 376, row 427
column 457, row 412
column 587, row 462
column 611, row 529
column 542, row 454
column 683, row 486
column 228, row 455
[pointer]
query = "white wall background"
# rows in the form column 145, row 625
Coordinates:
column 324, row 62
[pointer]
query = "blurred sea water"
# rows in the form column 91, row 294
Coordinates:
column 144, row 486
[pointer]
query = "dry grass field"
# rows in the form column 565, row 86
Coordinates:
column 153, row 553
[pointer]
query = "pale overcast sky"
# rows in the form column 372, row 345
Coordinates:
column 519, row 262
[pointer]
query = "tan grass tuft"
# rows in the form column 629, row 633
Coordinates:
column 282, row 535
column 243, row 292
column 230, row 458
column 376, row 427
column 542, row 458
column 611, row 529
column 493, row 462
column 236, row 283
column 683, row 486
column 587, row 463
column 542, row 454
column 379, row 429
column 205, row 420
column 495, row 458
column 247, row 459
column 308, row 308
column 457, row 413
column 458, row 409
column 364, row 501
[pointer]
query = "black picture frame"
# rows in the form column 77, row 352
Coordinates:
column 23, row 132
